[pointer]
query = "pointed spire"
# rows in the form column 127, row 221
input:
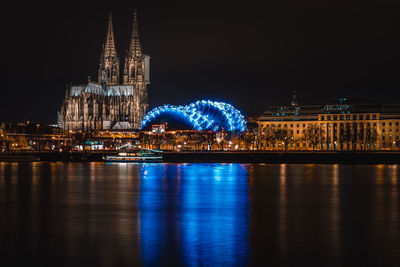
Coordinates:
column 136, row 64
column 109, row 62
column 110, row 42
column 135, row 49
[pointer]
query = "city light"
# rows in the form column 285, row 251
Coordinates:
column 203, row 115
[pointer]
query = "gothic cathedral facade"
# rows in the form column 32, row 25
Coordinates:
column 111, row 102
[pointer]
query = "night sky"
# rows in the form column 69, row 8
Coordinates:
column 246, row 53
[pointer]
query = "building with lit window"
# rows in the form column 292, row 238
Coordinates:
column 111, row 102
column 341, row 124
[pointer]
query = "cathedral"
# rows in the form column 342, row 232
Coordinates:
column 111, row 102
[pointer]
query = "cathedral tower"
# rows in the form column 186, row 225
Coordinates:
column 136, row 67
column 137, row 73
column 109, row 62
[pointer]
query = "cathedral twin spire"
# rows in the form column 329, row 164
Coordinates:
column 109, row 72
column 134, row 49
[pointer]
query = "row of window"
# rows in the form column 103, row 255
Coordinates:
column 348, row 117
column 329, row 145
column 390, row 130
column 322, row 125
column 348, row 124
column 325, row 145
column 390, row 124
column 285, row 125
column 328, row 124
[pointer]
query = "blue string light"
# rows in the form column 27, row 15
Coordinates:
column 203, row 115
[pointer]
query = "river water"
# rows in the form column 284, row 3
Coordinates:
column 80, row 214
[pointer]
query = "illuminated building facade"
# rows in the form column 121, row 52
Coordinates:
column 111, row 102
column 341, row 124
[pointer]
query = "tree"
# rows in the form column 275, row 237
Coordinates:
column 267, row 136
column 360, row 136
column 283, row 136
column 346, row 136
column 353, row 136
column 313, row 135
column 370, row 136
column 251, row 137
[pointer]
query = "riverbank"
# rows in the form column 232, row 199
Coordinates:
column 222, row 156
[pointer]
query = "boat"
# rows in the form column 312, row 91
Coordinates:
column 136, row 156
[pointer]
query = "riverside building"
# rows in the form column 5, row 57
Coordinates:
column 341, row 124
column 112, row 102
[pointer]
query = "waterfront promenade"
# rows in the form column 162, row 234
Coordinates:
column 222, row 156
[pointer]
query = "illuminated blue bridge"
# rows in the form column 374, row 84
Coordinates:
column 202, row 115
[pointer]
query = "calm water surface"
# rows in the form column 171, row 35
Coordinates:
column 80, row 214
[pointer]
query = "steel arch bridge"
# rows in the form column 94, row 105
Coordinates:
column 203, row 115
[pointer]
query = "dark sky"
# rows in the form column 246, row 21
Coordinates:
column 246, row 53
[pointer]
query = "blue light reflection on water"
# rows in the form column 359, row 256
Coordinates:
column 194, row 214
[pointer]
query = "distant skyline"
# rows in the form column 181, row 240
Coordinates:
column 243, row 53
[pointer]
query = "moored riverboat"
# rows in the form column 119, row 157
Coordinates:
column 136, row 156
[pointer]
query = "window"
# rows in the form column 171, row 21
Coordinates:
column 304, row 125
column 348, row 117
column 360, row 117
column 297, row 131
column 374, row 117
column 285, row 125
column 298, row 125
column 341, row 117
column 322, row 118
column 335, row 118
column 383, row 124
column 354, row 117
column 390, row 124
column 367, row 117
column 328, row 118
column 291, row 125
